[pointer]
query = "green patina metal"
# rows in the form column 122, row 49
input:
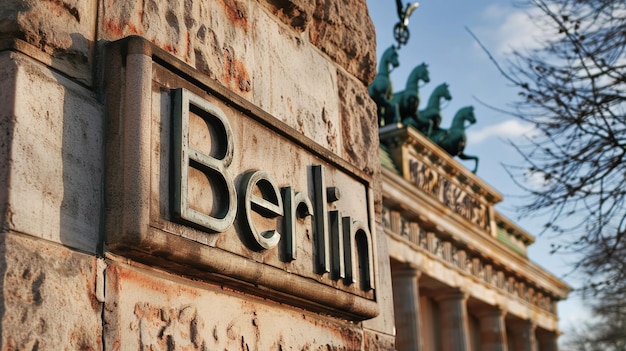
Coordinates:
column 403, row 106
column 504, row 238
column 428, row 120
column 408, row 99
column 385, row 159
column 381, row 89
column 453, row 140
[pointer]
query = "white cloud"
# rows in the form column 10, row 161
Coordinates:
column 495, row 12
column 508, row 129
column 507, row 29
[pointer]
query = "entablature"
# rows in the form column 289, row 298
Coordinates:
column 430, row 228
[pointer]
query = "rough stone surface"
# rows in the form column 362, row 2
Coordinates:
column 63, row 28
column 296, row 14
column 344, row 31
column 384, row 323
column 244, row 48
column 379, row 342
column 305, row 62
column 7, row 97
column 302, row 95
column 359, row 129
column 149, row 311
column 48, row 300
column 55, row 160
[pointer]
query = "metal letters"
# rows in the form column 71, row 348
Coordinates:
column 342, row 247
column 268, row 205
column 215, row 168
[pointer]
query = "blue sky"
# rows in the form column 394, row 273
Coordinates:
column 438, row 36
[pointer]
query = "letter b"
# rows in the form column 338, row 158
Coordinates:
column 204, row 192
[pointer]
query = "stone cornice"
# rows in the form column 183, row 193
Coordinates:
column 513, row 229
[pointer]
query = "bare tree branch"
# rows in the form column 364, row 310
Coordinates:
column 573, row 90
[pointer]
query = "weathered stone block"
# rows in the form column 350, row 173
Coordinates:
column 51, row 154
column 7, row 96
column 359, row 124
column 296, row 14
column 299, row 88
column 344, row 31
column 47, row 296
column 64, row 29
column 149, row 175
column 214, row 36
column 379, row 342
column 246, row 50
column 384, row 323
column 145, row 310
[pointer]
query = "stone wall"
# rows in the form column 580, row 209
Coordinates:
column 304, row 63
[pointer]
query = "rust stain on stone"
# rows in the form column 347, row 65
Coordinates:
column 236, row 13
column 113, row 27
column 242, row 77
column 59, row 6
column 235, row 72
column 147, row 281
column 89, row 284
column 170, row 48
column 189, row 45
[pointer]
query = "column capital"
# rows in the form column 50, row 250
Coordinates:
column 523, row 334
column 548, row 340
column 521, row 325
column 450, row 294
column 407, row 269
column 490, row 311
column 492, row 328
column 454, row 322
column 405, row 280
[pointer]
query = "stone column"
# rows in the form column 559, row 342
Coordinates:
column 492, row 330
column 406, row 309
column 548, row 341
column 523, row 335
column 454, row 323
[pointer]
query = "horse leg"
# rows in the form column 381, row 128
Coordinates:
column 391, row 115
column 463, row 156
column 395, row 108
column 381, row 116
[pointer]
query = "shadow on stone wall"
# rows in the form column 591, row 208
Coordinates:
column 7, row 126
column 3, row 269
column 82, row 153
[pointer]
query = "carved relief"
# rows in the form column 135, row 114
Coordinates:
column 162, row 328
column 423, row 239
column 386, row 218
column 449, row 193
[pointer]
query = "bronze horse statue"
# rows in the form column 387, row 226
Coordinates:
column 428, row 120
column 381, row 89
column 408, row 99
column 453, row 140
